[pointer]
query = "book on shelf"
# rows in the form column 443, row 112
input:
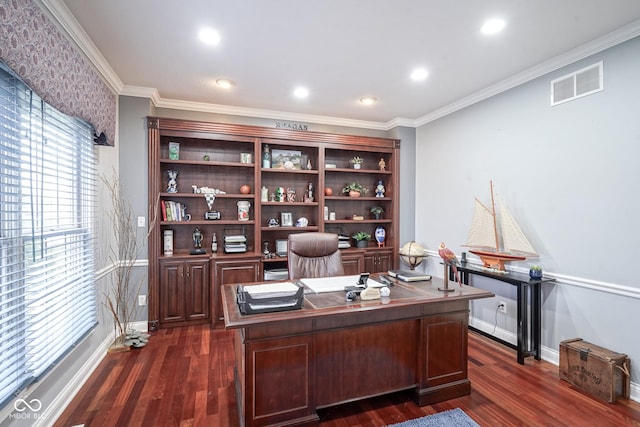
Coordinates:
column 163, row 206
column 172, row 211
column 409, row 275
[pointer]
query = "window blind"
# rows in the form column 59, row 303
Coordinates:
column 47, row 214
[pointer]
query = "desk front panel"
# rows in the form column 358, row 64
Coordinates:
column 330, row 352
column 365, row 361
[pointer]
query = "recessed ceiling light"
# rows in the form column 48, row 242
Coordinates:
column 368, row 100
column 492, row 26
column 301, row 92
column 225, row 83
column 419, row 74
column 209, row 36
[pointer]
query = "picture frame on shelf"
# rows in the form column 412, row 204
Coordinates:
column 281, row 247
column 286, row 219
column 286, row 159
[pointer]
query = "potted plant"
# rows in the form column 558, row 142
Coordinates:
column 377, row 211
column 535, row 272
column 356, row 162
column 354, row 189
column 362, row 238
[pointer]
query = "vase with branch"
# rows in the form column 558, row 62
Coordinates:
column 119, row 298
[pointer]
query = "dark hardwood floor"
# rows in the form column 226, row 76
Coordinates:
column 184, row 377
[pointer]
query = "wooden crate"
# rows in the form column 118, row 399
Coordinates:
column 596, row 370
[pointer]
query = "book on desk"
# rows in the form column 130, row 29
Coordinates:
column 409, row 275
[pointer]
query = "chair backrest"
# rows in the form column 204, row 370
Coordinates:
column 314, row 255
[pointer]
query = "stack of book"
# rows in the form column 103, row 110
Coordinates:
column 235, row 243
column 409, row 275
column 173, row 211
column 343, row 241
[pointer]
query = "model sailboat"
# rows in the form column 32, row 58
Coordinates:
column 484, row 236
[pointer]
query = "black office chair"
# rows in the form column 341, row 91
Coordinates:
column 314, row 255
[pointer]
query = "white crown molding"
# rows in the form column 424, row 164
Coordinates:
column 255, row 112
column 61, row 15
column 611, row 39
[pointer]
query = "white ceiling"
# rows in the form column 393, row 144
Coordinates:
column 341, row 50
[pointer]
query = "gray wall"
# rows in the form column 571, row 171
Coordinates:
column 133, row 179
column 407, row 137
column 569, row 175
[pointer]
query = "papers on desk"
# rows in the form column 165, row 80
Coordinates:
column 272, row 289
column 269, row 297
column 336, row 283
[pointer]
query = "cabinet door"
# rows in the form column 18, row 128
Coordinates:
column 378, row 261
column 353, row 263
column 370, row 262
column 197, row 290
column 384, row 261
column 172, row 291
column 228, row 272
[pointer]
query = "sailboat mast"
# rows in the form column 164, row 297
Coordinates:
column 495, row 222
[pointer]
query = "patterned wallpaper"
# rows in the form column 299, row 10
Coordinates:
column 33, row 47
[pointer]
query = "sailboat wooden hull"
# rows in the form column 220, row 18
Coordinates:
column 496, row 260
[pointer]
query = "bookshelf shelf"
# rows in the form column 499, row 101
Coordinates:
column 228, row 158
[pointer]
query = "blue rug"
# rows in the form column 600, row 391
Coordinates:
column 453, row 418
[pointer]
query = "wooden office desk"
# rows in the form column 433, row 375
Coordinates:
column 332, row 351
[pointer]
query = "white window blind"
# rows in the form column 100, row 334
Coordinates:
column 47, row 209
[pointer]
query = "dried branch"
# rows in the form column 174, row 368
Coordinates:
column 119, row 299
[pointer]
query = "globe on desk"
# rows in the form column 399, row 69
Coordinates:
column 412, row 254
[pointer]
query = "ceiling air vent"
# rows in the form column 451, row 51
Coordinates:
column 576, row 85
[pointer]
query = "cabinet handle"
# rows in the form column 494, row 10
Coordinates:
column 181, row 272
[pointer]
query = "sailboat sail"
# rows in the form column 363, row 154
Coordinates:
column 513, row 238
column 481, row 234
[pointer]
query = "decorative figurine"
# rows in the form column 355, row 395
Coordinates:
column 291, row 195
column 380, row 189
column 197, row 238
column 382, row 164
column 308, row 194
column 172, row 185
column 266, row 157
column 197, row 243
column 309, row 164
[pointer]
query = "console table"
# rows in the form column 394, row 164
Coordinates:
column 529, row 307
column 334, row 351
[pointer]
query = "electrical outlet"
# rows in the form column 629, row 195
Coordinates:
column 142, row 300
column 502, row 307
column 141, row 221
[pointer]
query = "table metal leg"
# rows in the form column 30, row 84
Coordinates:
column 521, row 315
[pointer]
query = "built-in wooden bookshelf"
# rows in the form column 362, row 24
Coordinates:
column 229, row 158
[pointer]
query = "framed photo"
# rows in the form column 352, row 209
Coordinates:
column 286, row 159
column 281, row 247
column 286, row 219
